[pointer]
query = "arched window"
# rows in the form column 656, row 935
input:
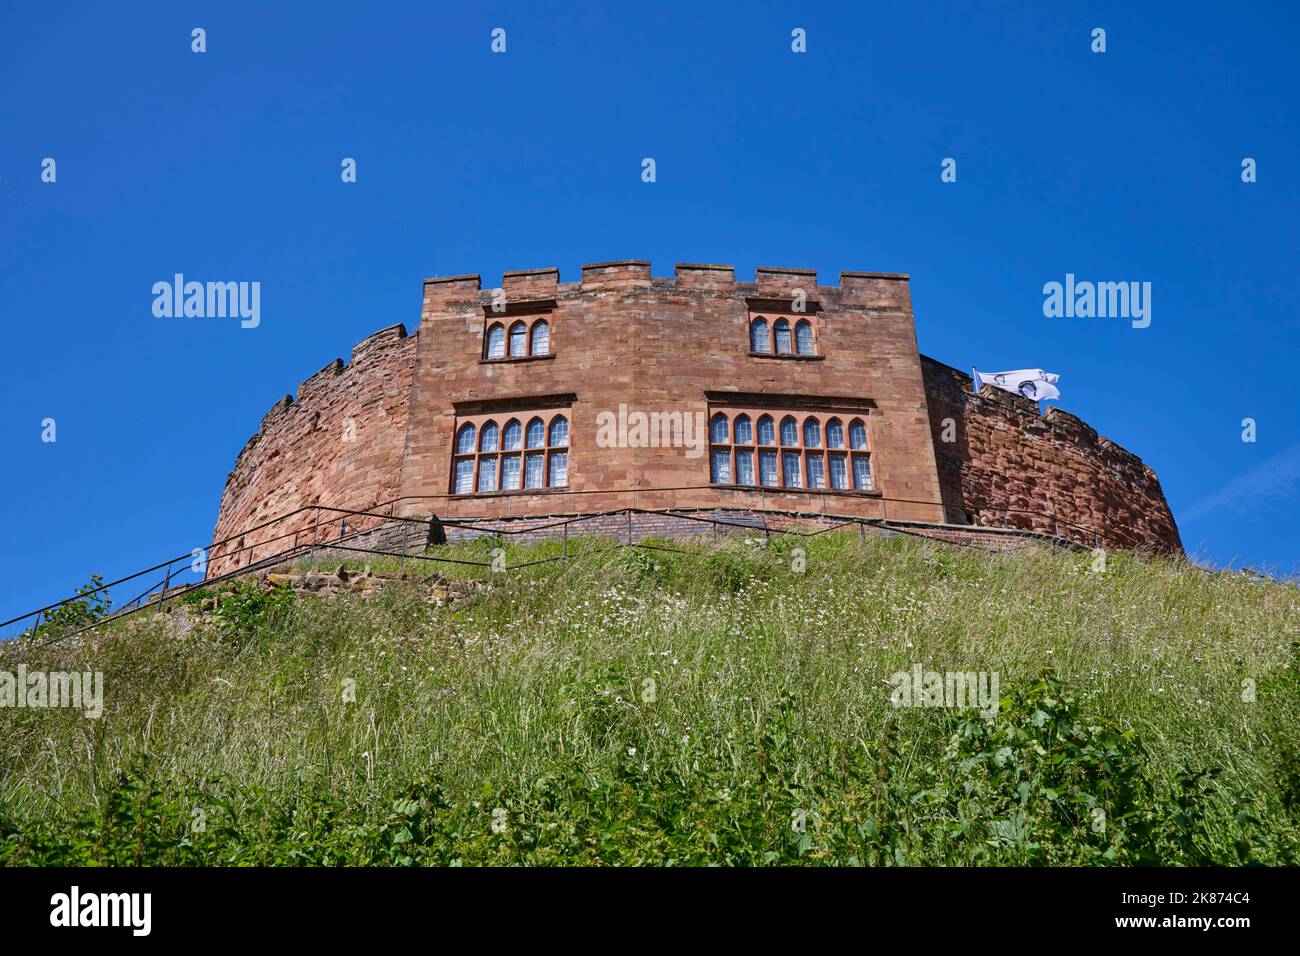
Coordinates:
column 718, row 429
column 541, row 338
column 496, row 342
column 518, row 340
column 511, row 456
column 536, row 433
column 512, row 435
column 463, row 468
column 559, row 432
column 782, row 329
column 857, row 435
column 732, row 465
column 800, row 451
column 758, row 336
column 789, row 431
column 803, row 337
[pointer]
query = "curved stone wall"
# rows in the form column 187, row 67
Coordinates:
column 360, row 435
column 1008, row 466
column 339, row 443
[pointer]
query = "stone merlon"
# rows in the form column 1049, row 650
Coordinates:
column 499, row 404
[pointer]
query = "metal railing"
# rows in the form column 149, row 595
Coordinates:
column 236, row 559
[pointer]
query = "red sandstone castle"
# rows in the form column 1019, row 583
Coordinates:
column 813, row 401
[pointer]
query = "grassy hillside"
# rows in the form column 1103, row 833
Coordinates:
column 717, row 706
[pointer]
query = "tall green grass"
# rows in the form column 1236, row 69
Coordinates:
column 715, row 706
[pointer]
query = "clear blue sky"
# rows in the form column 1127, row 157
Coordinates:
column 225, row 166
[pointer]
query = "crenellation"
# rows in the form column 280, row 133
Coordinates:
column 782, row 282
column 441, row 292
column 704, row 277
column 381, row 428
column 530, row 285
column 319, row 381
column 374, row 346
column 878, row 290
column 626, row 275
column 997, row 470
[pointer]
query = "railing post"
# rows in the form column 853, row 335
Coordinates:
column 167, row 580
column 629, row 527
column 566, row 541
column 315, row 531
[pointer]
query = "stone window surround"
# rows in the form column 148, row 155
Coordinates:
column 530, row 313
column 502, row 412
column 801, row 408
column 770, row 310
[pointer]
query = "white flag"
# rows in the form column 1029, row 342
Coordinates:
column 1033, row 383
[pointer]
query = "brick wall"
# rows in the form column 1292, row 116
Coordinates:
column 1009, row 466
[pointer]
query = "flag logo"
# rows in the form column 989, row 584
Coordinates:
column 1033, row 383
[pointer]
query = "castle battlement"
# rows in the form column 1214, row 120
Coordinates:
column 878, row 289
column 786, row 396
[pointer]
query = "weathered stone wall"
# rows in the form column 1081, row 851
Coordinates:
column 1009, row 466
column 339, row 443
column 381, row 427
column 622, row 337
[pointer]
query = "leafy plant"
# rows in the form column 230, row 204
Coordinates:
column 89, row 606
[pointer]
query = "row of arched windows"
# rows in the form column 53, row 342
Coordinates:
column 488, row 457
column 779, row 342
column 791, row 453
column 520, row 342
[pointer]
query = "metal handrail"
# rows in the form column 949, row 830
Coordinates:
column 477, row 524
